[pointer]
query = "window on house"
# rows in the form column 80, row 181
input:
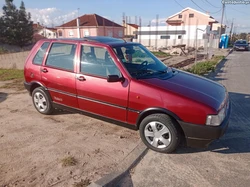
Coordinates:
column 180, row 16
column 97, row 61
column 71, row 33
column 60, row 33
column 165, row 37
column 86, row 33
column 179, row 36
column 110, row 33
column 120, row 34
column 191, row 15
column 61, row 56
column 38, row 59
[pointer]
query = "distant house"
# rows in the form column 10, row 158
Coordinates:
column 130, row 29
column 90, row 25
column 190, row 17
column 186, row 27
column 48, row 32
column 41, row 32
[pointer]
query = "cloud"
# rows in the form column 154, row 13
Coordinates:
column 161, row 21
column 51, row 16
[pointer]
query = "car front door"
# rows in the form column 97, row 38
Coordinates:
column 58, row 73
column 95, row 94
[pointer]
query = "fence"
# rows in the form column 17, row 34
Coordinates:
column 13, row 60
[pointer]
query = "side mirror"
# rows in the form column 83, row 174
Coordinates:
column 115, row 78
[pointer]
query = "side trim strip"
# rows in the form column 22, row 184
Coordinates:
column 100, row 102
column 94, row 115
column 93, row 100
column 61, row 92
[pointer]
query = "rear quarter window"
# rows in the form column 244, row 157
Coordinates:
column 38, row 59
column 62, row 56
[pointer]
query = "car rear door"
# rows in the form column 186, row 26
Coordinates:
column 58, row 73
column 95, row 94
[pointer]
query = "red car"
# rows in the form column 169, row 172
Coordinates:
column 124, row 83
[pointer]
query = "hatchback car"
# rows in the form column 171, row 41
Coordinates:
column 124, row 83
column 241, row 45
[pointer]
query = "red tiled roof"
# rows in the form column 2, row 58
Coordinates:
column 133, row 25
column 91, row 20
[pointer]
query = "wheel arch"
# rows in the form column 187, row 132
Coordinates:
column 35, row 85
column 155, row 110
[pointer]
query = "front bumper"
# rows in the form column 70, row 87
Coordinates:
column 203, row 135
column 242, row 48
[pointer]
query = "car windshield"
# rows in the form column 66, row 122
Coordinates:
column 241, row 42
column 139, row 61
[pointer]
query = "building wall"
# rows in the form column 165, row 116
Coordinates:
column 116, row 32
column 129, row 30
column 159, row 36
column 91, row 31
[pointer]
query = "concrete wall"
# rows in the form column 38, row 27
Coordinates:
column 13, row 60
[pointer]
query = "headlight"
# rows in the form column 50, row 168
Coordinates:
column 216, row 120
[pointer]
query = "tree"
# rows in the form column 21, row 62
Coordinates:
column 25, row 27
column 15, row 25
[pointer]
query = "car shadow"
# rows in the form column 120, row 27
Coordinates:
column 217, row 74
column 237, row 137
column 58, row 111
column 3, row 96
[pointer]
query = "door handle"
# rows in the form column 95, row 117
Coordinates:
column 44, row 70
column 80, row 78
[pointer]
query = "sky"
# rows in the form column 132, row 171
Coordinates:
column 57, row 12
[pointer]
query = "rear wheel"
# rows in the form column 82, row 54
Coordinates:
column 159, row 132
column 41, row 101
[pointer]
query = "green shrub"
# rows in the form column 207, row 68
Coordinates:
column 160, row 54
column 3, row 50
column 202, row 68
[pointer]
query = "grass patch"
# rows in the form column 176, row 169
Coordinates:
column 82, row 183
column 160, row 54
column 11, row 74
column 69, row 161
column 202, row 68
column 15, row 78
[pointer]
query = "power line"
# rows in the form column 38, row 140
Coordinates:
column 239, row 11
column 212, row 4
column 215, row 12
column 198, row 6
column 179, row 4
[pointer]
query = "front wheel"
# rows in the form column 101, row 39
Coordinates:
column 41, row 101
column 159, row 132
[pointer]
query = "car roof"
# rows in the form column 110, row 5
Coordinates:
column 95, row 39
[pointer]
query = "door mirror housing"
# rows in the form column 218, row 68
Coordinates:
column 114, row 78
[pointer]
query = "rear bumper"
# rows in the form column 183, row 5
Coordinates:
column 27, row 86
column 202, row 135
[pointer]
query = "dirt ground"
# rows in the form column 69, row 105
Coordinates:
column 33, row 145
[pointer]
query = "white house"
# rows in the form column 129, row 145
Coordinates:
column 48, row 32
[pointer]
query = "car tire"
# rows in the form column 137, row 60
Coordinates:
column 160, row 133
column 42, row 101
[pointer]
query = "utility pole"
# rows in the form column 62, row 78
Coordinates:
column 231, row 29
column 222, row 16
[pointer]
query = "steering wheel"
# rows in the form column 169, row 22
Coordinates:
column 143, row 65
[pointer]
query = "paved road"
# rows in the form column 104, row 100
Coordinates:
column 226, row 163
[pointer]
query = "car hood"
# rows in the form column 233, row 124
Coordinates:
column 194, row 87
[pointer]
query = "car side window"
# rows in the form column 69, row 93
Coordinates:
column 38, row 59
column 97, row 61
column 62, row 55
